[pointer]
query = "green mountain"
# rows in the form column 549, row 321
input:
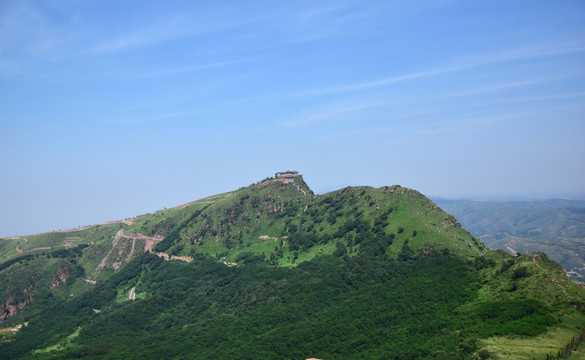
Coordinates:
column 555, row 227
column 273, row 271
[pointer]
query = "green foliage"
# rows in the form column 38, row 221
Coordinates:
column 327, row 307
column 406, row 253
column 174, row 235
column 340, row 250
column 520, row 272
column 527, row 317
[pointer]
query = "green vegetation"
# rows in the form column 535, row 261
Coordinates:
column 256, row 311
column 278, row 272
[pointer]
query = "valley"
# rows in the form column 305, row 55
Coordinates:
column 555, row 227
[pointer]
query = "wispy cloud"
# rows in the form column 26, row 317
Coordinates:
column 539, row 98
column 252, row 99
column 185, row 69
column 522, row 53
column 31, row 31
column 336, row 19
column 310, row 21
column 135, row 120
column 470, row 62
column 461, row 64
column 478, row 122
column 334, row 135
column 149, row 34
column 376, row 83
column 334, row 112
column 498, row 87
column 28, row 33
column 173, row 26
column 345, row 88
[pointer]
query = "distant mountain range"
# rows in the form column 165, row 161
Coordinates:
column 555, row 227
column 274, row 271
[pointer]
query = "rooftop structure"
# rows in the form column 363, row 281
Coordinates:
column 286, row 174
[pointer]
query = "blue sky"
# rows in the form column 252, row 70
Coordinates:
column 111, row 109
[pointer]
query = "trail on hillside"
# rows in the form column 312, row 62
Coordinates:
column 17, row 249
column 129, row 257
column 102, row 264
column 298, row 187
column 207, row 200
column 128, row 222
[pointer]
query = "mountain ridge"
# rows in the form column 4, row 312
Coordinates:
column 259, row 258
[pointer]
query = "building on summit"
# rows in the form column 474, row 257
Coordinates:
column 287, row 175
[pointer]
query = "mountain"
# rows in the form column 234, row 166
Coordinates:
column 555, row 227
column 273, row 271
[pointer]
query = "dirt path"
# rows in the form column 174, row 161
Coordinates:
column 17, row 247
column 131, row 251
column 298, row 187
column 142, row 236
column 168, row 257
column 127, row 222
column 102, row 264
column 41, row 248
column 132, row 295
column 150, row 241
column 149, row 245
column 535, row 259
column 266, row 237
column 207, row 200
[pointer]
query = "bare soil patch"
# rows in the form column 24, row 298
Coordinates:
column 266, row 237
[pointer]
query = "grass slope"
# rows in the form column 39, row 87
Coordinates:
column 259, row 219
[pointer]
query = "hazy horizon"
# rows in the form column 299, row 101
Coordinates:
column 111, row 109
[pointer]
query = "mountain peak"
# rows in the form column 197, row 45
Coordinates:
column 288, row 177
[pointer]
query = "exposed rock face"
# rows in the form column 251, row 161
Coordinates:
column 11, row 307
column 16, row 299
column 19, row 300
column 60, row 277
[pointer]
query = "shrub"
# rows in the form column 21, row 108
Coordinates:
column 520, row 272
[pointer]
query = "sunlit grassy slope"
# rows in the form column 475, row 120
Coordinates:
column 260, row 218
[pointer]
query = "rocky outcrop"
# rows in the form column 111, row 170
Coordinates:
column 60, row 277
column 19, row 300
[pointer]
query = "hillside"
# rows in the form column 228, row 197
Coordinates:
column 555, row 227
column 273, row 271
